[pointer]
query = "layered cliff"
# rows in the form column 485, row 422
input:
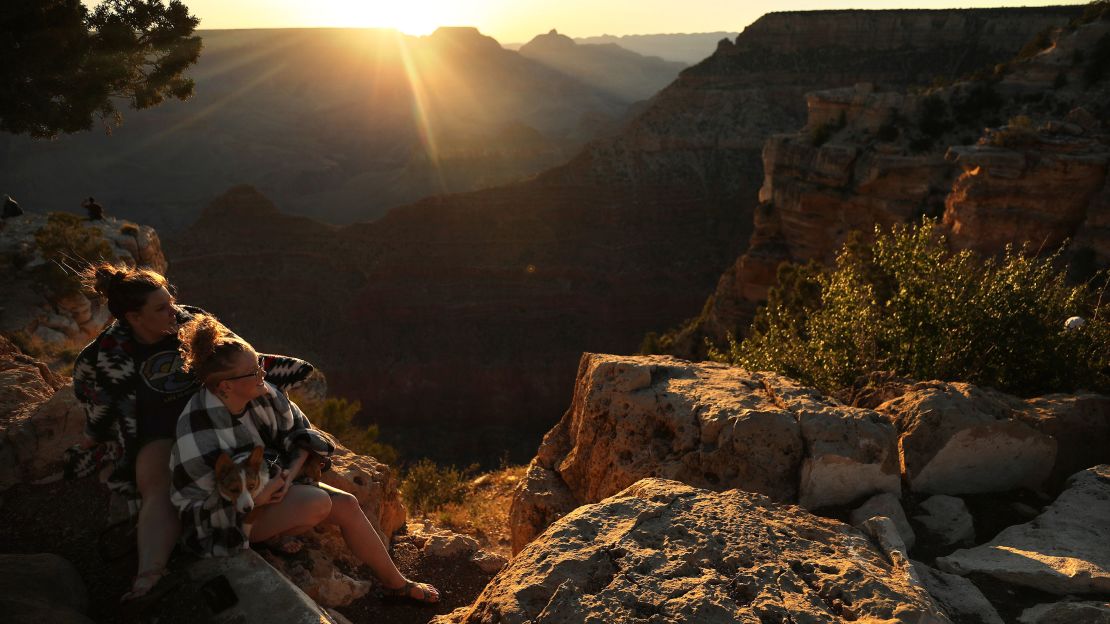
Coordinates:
column 459, row 309
column 1018, row 156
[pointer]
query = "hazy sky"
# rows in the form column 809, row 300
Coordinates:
column 511, row 21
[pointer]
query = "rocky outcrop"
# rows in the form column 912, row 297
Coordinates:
column 959, row 439
column 668, row 552
column 868, row 158
column 239, row 588
column 886, row 505
column 38, row 418
column 52, row 321
column 718, row 427
column 581, row 258
column 1062, row 551
column 707, row 425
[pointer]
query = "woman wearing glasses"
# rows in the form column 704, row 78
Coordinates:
column 131, row 382
column 236, row 410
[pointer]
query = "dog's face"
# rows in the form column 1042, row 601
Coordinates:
column 240, row 482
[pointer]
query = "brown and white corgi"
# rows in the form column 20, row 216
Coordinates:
column 240, row 481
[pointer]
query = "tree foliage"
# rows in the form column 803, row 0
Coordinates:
column 908, row 306
column 64, row 65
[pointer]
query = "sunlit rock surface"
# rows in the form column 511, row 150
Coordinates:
column 1062, row 551
column 666, row 552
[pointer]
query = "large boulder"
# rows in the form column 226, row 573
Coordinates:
column 662, row 551
column 1068, row 612
column 374, row 484
column 39, row 417
column 1062, row 551
column 241, row 588
column 960, row 439
column 960, row 599
column 41, row 588
column 708, row 425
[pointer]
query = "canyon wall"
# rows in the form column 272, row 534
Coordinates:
column 1016, row 157
column 458, row 320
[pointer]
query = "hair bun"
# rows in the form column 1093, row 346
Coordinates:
column 100, row 278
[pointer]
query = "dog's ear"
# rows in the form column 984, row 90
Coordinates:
column 223, row 464
column 255, row 460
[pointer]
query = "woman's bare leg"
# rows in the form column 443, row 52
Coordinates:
column 159, row 525
column 302, row 508
column 364, row 541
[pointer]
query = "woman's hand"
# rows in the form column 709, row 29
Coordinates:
column 274, row 490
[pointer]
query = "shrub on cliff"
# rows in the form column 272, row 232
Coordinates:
column 67, row 242
column 427, row 486
column 908, row 306
column 337, row 416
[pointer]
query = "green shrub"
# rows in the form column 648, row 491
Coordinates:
column 337, row 417
column 907, row 306
column 67, row 243
column 428, row 486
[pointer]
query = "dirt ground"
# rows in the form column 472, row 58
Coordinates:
column 66, row 519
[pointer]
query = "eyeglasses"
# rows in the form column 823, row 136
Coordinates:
column 260, row 373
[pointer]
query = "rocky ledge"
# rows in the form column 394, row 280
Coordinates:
column 720, row 427
column 662, row 551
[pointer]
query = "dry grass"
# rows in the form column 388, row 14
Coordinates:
column 484, row 512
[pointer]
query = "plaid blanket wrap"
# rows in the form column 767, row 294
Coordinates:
column 211, row 526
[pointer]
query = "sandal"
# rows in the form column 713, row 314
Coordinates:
column 143, row 583
column 427, row 594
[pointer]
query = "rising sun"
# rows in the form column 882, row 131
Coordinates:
column 413, row 18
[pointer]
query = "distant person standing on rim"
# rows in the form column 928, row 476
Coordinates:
column 11, row 209
column 96, row 211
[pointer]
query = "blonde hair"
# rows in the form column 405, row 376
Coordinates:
column 209, row 348
column 125, row 288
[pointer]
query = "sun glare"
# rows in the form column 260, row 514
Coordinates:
column 412, row 18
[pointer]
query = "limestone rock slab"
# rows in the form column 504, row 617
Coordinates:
column 708, row 425
column 947, row 520
column 662, row 551
column 1067, row 612
column 1062, row 551
column 957, row 596
column 885, row 505
column 960, row 439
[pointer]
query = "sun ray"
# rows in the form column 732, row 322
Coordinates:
column 422, row 112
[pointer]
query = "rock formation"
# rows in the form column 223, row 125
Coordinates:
column 1011, row 158
column 663, row 551
column 718, row 427
column 444, row 299
column 52, row 321
column 1063, row 551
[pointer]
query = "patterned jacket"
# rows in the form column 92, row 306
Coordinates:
column 106, row 381
column 210, row 524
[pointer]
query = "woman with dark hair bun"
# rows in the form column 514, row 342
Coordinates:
column 234, row 412
column 133, row 386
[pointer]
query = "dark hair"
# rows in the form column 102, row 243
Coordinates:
column 209, row 348
column 126, row 288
